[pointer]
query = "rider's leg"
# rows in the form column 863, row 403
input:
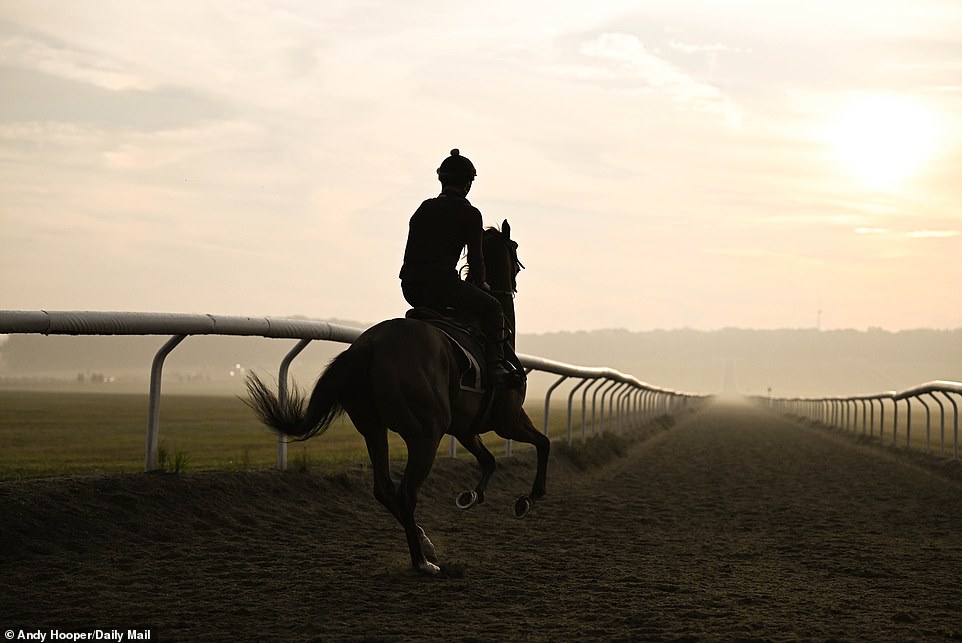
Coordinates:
column 491, row 317
column 464, row 296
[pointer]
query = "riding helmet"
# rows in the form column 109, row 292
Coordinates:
column 457, row 167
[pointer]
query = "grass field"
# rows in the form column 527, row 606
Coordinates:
column 45, row 433
column 50, row 433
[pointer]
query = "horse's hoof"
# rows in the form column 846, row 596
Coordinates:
column 522, row 506
column 428, row 547
column 429, row 568
column 467, row 499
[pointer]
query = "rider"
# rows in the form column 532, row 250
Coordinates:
column 438, row 231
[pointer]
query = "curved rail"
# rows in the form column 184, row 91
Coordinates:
column 856, row 413
column 637, row 402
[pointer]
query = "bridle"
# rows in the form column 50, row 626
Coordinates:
column 511, row 247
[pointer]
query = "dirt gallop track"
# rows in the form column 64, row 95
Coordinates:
column 733, row 524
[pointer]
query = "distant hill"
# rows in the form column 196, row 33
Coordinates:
column 790, row 362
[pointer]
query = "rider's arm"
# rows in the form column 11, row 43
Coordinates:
column 475, row 232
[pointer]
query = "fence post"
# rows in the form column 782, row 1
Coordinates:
column 881, row 417
column 153, row 413
column 584, row 411
column 547, row 400
column 604, row 396
column 908, row 421
column 941, row 424
column 282, row 395
column 955, row 435
column 571, row 395
column 928, row 426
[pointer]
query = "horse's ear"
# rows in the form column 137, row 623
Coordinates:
column 506, row 229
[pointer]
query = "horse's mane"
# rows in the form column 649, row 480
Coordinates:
column 511, row 249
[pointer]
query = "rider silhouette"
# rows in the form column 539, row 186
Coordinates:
column 438, row 232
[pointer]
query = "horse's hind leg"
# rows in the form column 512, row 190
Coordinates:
column 421, row 454
column 384, row 488
column 473, row 443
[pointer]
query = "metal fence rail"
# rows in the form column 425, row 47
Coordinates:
column 630, row 401
column 856, row 413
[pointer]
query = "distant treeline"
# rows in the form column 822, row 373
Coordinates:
column 790, row 362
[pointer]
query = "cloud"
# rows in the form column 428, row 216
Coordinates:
column 628, row 58
column 708, row 48
column 742, row 252
column 49, row 133
column 932, row 234
column 66, row 62
column 265, row 143
column 914, row 234
column 37, row 97
column 211, row 141
column 812, row 219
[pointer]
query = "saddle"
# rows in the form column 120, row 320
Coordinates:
column 465, row 336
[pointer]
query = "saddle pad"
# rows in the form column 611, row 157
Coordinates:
column 471, row 375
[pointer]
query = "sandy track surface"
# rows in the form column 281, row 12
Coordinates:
column 733, row 524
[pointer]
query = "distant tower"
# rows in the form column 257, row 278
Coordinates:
column 729, row 379
column 818, row 319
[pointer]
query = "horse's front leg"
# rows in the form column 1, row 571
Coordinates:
column 543, row 446
column 468, row 499
column 524, row 430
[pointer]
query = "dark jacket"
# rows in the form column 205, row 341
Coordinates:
column 437, row 233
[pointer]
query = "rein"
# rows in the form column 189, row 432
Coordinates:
column 512, row 249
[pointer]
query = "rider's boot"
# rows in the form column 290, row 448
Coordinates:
column 501, row 372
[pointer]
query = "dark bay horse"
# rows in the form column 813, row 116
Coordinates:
column 403, row 375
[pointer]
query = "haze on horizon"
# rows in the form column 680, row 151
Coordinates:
column 681, row 164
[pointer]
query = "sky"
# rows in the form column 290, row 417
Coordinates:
column 664, row 164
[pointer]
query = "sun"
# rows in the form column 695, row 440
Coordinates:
column 884, row 139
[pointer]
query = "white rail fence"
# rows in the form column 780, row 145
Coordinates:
column 630, row 402
column 856, row 413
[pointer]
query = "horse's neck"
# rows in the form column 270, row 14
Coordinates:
column 500, row 280
column 507, row 306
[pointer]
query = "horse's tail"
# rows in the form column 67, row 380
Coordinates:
column 289, row 415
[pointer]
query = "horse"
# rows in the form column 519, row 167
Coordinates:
column 404, row 375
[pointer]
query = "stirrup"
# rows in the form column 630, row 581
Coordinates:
column 502, row 377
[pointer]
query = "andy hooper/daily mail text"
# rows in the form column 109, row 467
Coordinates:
column 45, row 636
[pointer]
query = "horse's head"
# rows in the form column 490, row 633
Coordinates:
column 501, row 260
